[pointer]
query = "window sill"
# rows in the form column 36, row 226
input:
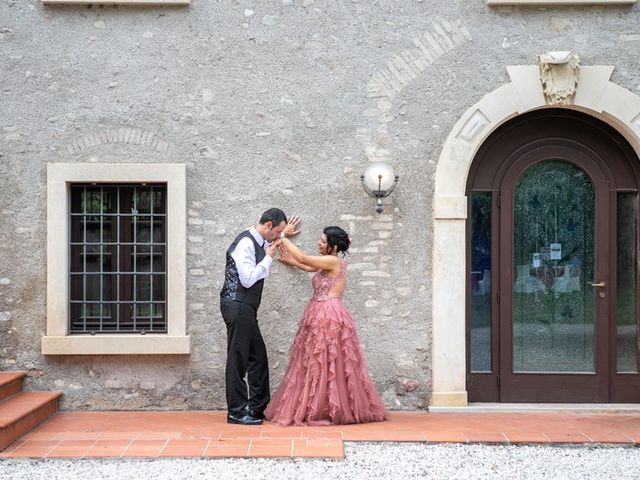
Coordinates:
column 124, row 344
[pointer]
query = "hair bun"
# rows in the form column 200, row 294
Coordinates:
column 337, row 238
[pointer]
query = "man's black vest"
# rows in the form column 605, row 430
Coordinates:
column 232, row 288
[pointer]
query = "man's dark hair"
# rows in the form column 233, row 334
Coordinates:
column 273, row 215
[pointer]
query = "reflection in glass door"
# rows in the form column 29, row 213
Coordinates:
column 553, row 262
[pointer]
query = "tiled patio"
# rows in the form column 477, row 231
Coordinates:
column 206, row 434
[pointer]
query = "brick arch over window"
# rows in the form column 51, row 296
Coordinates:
column 597, row 96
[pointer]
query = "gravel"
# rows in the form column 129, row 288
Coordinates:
column 363, row 460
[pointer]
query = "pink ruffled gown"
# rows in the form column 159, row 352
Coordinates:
column 327, row 381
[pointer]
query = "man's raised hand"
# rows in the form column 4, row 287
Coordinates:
column 292, row 226
column 271, row 249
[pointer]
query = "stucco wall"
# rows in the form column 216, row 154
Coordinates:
column 274, row 103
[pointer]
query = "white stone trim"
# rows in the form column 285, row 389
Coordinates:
column 115, row 345
column 597, row 96
column 560, row 2
column 118, row 2
column 57, row 341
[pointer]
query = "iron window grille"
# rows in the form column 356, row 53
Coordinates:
column 118, row 258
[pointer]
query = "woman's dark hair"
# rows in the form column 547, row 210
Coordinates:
column 338, row 238
column 273, row 215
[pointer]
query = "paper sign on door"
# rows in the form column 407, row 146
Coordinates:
column 535, row 263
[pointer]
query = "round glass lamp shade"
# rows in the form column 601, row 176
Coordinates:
column 379, row 177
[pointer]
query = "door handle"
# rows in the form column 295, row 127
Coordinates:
column 598, row 285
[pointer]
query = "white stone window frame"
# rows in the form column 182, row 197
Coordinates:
column 57, row 340
column 560, row 2
column 117, row 2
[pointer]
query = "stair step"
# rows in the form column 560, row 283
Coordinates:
column 10, row 383
column 23, row 411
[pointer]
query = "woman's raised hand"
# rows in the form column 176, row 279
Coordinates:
column 285, row 256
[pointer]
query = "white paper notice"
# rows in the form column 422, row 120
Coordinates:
column 536, row 260
column 555, row 251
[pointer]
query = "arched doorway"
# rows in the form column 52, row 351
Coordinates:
column 552, row 262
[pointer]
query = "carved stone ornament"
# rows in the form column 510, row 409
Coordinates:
column 559, row 72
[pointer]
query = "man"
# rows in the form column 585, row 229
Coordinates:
column 249, row 258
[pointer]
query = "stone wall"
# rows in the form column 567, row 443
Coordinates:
column 273, row 103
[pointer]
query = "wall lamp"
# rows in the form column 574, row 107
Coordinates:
column 379, row 181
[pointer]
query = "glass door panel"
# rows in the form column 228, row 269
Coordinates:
column 480, row 282
column 553, row 303
column 626, row 304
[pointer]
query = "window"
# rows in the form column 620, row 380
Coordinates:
column 116, row 259
column 118, row 268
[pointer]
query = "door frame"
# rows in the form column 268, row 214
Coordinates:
column 604, row 100
column 613, row 167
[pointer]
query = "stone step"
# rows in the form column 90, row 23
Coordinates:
column 10, row 384
column 23, row 411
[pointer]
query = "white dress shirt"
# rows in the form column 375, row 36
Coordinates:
column 245, row 257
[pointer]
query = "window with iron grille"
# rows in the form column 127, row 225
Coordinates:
column 118, row 258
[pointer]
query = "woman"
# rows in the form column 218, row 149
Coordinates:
column 326, row 382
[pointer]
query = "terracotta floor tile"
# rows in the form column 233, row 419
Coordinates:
column 36, row 435
column 119, row 435
column 144, row 448
column 404, row 436
column 633, row 435
column 34, row 448
column 226, row 452
column 199, row 435
column 316, row 448
column 107, row 448
column 262, row 442
column 607, row 436
column 281, row 448
column 566, row 437
column 485, row 437
column 526, row 437
column 320, row 442
column 228, row 448
column 78, row 435
column 363, row 436
column 146, row 435
column 445, row 437
column 184, row 448
column 71, row 449
column 320, row 433
column 228, row 434
column 285, row 433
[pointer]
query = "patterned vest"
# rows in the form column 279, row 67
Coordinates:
column 232, row 288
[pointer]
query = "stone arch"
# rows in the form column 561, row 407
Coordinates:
column 597, row 96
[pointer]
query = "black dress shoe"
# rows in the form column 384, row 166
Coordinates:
column 255, row 414
column 243, row 419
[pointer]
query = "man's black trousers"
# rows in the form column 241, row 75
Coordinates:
column 246, row 355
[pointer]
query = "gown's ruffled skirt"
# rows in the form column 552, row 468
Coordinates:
column 326, row 382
